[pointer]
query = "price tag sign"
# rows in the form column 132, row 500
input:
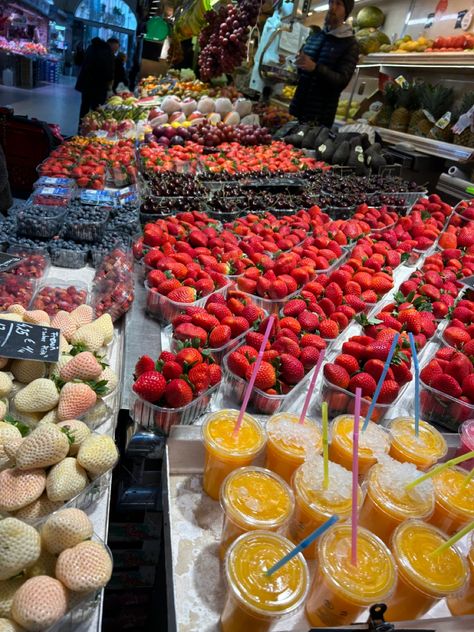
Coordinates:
column 468, row 282
column 28, row 342
column 7, row 262
column 460, row 18
column 429, row 20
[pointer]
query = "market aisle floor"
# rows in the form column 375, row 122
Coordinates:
column 50, row 102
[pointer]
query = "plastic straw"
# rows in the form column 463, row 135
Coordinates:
column 468, row 479
column 302, row 545
column 312, row 384
column 256, row 367
column 417, row 383
column 381, row 381
column 355, row 475
column 438, row 469
column 456, row 537
column 324, row 416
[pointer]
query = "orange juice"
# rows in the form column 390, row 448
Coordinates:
column 423, row 579
column 464, row 604
column 423, row 451
column 314, row 504
column 288, row 443
column 340, row 591
column 373, row 440
column 225, row 451
column 454, row 503
column 254, row 601
column 387, row 503
column 253, row 498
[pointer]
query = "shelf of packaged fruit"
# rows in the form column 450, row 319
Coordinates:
column 448, row 151
column 452, row 60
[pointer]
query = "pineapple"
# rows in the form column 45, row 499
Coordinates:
column 465, row 138
column 418, row 117
column 441, row 103
column 390, row 96
column 435, row 100
column 407, row 101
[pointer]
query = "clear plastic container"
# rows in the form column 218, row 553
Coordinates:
column 233, row 389
column 115, row 301
column 35, row 262
column 443, row 410
column 89, row 230
column 54, row 295
column 165, row 310
column 15, row 290
column 40, row 222
column 161, row 419
column 65, row 257
column 269, row 305
column 49, row 181
column 51, row 196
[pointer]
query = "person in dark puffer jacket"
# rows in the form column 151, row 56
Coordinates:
column 325, row 64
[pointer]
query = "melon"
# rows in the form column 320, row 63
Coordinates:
column 370, row 17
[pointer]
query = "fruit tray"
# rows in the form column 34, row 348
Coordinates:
column 116, row 301
column 48, row 181
column 40, row 222
column 84, row 228
column 271, row 306
column 54, row 294
column 68, row 254
column 233, row 388
column 164, row 309
column 161, row 419
column 35, row 262
column 51, row 196
column 339, row 212
column 216, row 354
column 15, row 289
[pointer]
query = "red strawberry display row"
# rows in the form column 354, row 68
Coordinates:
column 360, row 365
column 214, row 326
column 288, row 357
column 377, row 219
column 447, row 395
column 459, row 332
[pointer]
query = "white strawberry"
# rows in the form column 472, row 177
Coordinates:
column 64, row 346
column 55, row 368
column 85, row 567
column 49, row 418
column 37, row 317
column 18, row 488
column 8, row 432
column 106, row 326
column 16, row 318
column 38, row 509
column 8, row 589
column 11, row 448
column 7, row 625
column 39, row 396
column 98, row 454
column 63, row 321
column 78, row 431
column 82, row 315
column 6, row 384
column 20, row 547
column 16, row 308
column 45, row 446
column 65, row 529
column 83, row 366
column 109, row 376
column 75, row 399
column 44, row 565
column 65, row 480
column 3, row 408
column 26, row 371
column 88, row 338
column 40, row 603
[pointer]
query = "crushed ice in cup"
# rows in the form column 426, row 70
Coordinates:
column 395, row 476
column 285, row 429
column 340, row 479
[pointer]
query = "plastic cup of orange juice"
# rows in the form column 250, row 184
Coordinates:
column 254, row 601
column 454, row 501
column 464, row 604
column 423, row 579
column 253, row 498
column 387, row 502
column 423, row 451
column 289, row 443
column 374, row 440
column 340, row 592
column 314, row 504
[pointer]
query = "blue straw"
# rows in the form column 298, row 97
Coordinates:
column 381, row 381
column 303, row 544
column 417, row 383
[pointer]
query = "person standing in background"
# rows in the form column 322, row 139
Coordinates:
column 325, row 65
column 120, row 74
column 5, row 194
column 96, row 75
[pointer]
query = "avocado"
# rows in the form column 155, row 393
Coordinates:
column 341, row 155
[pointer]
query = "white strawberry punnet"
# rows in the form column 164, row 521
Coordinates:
column 39, row 396
column 65, row 529
column 65, row 480
column 18, row 489
column 20, row 547
column 45, row 446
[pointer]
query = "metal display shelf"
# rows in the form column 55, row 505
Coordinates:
column 454, row 60
column 456, row 187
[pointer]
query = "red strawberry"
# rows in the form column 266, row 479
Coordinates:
column 167, row 356
column 410, row 320
column 348, row 362
column 337, row 375
column 456, row 337
column 237, row 324
column 294, row 307
column 291, row 369
column 355, row 302
column 215, row 299
column 468, row 387
column 238, row 364
column 215, row 374
column 204, row 287
column 171, row 370
column 430, row 371
column 249, row 352
column 270, row 355
column 218, row 310
column 183, row 295
column 354, row 349
column 334, row 293
column 287, row 333
column 255, row 339
column 180, row 319
column 365, row 382
column 328, row 329
column 446, row 354
column 308, row 320
column 220, row 336
column 389, row 321
column 187, row 331
column 188, row 356
column 178, row 393
column 236, row 306
column 459, row 367
column 309, row 357
column 266, row 376
column 377, row 350
column 144, row 364
column 469, row 348
column 168, row 286
column 288, row 322
column 199, row 377
column 205, row 320
column 150, row 386
column 251, row 313
column 287, row 345
column 312, row 340
column 375, row 368
column 388, row 392
column 447, row 384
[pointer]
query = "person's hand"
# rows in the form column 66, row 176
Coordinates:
column 304, row 62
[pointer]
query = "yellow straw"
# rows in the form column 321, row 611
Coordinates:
column 439, row 468
column 468, row 479
column 453, row 540
column 324, row 414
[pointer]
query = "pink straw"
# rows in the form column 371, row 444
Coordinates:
column 256, row 367
column 355, row 474
column 312, row 385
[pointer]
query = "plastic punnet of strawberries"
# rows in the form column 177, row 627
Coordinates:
column 289, row 356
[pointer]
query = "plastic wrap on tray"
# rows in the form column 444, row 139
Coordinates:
column 34, row 262
column 15, row 290
column 53, row 295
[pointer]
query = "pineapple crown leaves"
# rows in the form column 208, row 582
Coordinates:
column 20, row 426
column 69, row 435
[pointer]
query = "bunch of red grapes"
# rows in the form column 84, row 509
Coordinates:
column 224, row 41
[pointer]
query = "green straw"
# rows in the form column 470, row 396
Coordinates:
column 453, row 540
column 468, row 479
column 302, row 545
column 438, row 469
